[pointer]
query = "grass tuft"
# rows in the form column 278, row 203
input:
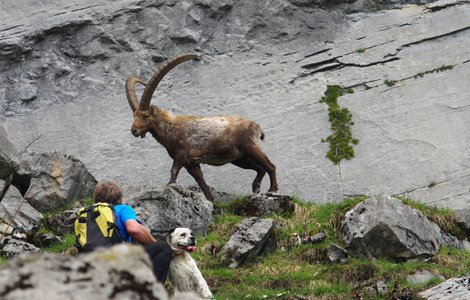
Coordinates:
column 303, row 271
column 340, row 119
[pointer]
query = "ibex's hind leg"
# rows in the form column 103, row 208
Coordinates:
column 196, row 172
column 259, row 158
column 247, row 163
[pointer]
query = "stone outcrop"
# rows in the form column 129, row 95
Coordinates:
column 27, row 219
column 337, row 254
column 56, row 180
column 9, row 160
column 12, row 246
column 453, row 288
column 253, row 236
column 162, row 208
column 265, row 204
column 8, row 156
column 386, row 227
column 119, row 272
column 64, row 222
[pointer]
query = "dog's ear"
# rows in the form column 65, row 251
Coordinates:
column 168, row 238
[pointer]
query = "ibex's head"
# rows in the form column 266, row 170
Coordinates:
column 142, row 111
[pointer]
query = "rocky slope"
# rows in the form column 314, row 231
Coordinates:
column 64, row 64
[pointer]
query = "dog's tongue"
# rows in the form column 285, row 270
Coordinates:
column 190, row 248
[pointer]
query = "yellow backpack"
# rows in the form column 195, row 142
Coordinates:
column 97, row 226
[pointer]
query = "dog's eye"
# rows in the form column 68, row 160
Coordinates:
column 183, row 234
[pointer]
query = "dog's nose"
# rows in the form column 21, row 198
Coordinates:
column 192, row 239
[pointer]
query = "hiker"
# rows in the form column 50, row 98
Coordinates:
column 131, row 228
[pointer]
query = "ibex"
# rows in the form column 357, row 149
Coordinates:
column 192, row 140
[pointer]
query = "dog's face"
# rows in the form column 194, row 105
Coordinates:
column 182, row 239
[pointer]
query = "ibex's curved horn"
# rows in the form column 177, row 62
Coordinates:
column 130, row 91
column 158, row 76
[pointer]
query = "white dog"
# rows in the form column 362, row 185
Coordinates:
column 184, row 273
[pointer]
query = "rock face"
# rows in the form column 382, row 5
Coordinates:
column 12, row 247
column 120, row 272
column 57, row 179
column 386, row 227
column 8, row 155
column 454, row 288
column 64, row 65
column 162, row 208
column 27, row 219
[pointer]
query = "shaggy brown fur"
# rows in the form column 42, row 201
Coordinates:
column 192, row 140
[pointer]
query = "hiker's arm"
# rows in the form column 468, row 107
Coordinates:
column 138, row 232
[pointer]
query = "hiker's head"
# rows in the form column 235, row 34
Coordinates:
column 107, row 191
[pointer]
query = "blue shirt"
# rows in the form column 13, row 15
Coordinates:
column 124, row 212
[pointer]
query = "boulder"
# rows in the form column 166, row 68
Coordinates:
column 423, row 276
column 12, row 246
column 120, row 272
column 46, row 239
column 5, row 229
column 27, row 219
column 253, row 236
column 57, row 179
column 269, row 203
column 9, row 156
column 337, row 253
column 453, row 288
column 162, row 208
column 64, row 222
column 314, row 239
column 386, row 227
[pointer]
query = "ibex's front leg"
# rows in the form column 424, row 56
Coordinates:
column 178, row 163
column 196, row 172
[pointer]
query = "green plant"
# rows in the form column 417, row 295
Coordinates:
column 444, row 217
column 340, row 119
column 432, row 184
column 441, row 69
column 390, row 82
column 296, row 271
column 361, row 50
column 67, row 241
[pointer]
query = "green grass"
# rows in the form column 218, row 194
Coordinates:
column 64, row 246
column 305, row 270
column 290, row 270
column 444, row 217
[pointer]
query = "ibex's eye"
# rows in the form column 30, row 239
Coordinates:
column 145, row 117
